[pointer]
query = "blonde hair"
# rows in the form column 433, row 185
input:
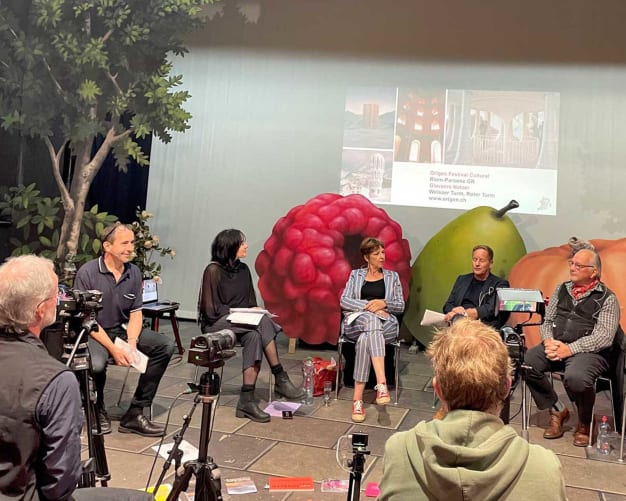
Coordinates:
column 471, row 364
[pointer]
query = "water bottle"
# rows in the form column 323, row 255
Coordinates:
column 307, row 380
column 602, row 445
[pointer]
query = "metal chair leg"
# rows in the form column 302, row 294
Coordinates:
column 123, row 386
column 397, row 361
column 339, row 367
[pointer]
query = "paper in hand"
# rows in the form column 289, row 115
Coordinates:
column 432, row 318
column 138, row 360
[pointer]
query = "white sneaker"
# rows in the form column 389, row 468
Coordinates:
column 358, row 412
column 382, row 394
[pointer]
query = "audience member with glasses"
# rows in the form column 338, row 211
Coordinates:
column 40, row 402
column 120, row 282
column 578, row 334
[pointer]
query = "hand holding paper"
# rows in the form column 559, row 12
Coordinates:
column 433, row 318
column 138, row 360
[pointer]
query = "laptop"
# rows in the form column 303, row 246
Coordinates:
column 150, row 296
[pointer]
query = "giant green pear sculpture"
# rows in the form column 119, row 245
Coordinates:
column 449, row 254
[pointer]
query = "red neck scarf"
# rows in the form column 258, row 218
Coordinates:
column 579, row 290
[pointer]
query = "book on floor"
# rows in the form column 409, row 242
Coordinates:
column 240, row 485
column 281, row 484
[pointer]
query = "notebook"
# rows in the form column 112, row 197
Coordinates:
column 150, row 296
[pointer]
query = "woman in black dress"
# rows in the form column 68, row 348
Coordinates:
column 226, row 284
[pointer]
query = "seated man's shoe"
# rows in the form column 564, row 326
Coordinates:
column 248, row 408
column 555, row 428
column 286, row 388
column 105, row 421
column 141, row 425
column 581, row 435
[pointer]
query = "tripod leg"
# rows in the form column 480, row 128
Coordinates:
column 182, row 482
column 95, row 441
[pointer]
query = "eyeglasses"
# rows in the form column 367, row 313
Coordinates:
column 578, row 266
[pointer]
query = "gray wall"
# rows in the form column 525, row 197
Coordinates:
column 268, row 102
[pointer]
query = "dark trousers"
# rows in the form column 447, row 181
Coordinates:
column 580, row 373
column 253, row 338
column 159, row 349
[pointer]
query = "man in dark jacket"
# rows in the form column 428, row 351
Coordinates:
column 474, row 295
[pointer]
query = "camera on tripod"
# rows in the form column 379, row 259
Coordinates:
column 211, row 349
column 359, row 442
column 78, row 304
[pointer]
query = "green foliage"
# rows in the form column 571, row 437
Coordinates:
column 148, row 246
column 71, row 69
column 38, row 219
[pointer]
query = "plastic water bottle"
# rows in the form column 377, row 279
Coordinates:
column 307, row 380
column 602, row 445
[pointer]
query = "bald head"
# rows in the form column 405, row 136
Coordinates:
column 27, row 284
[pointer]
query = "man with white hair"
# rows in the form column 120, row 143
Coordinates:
column 40, row 402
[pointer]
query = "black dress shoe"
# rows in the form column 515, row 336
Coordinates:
column 105, row 422
column 141, row 425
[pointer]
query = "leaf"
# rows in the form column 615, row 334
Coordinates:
column 23, row 222
column 96, row 245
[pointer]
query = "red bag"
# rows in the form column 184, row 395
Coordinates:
column 323, row 370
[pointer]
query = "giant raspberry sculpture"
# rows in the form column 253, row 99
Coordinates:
column 305, row 263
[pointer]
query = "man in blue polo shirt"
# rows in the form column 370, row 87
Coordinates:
column 121, row 316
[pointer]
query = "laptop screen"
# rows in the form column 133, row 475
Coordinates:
column 149, row 291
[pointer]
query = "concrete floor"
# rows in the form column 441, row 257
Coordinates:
column 306, row 445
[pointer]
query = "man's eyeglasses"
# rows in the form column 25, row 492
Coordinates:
column 578, row 266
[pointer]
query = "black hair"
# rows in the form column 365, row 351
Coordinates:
column 225, row 246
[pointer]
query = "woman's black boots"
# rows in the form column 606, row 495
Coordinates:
column 286, row 388
column 248, row 408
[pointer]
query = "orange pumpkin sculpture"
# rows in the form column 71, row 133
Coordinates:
column 547, row 268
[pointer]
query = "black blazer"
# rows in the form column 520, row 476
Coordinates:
column 487, row 302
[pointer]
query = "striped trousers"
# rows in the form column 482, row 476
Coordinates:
column 370, row 334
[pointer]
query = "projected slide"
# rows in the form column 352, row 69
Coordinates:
column 451, row 148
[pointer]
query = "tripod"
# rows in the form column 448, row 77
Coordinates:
column 78, row 359
column 521, row 370
column 357, row 463
column 208, row 483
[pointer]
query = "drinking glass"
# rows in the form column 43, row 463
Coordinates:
column 328, row 389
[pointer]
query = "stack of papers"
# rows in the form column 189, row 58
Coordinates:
column 247, row 316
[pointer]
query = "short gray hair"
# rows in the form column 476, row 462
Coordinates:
column 25, row 282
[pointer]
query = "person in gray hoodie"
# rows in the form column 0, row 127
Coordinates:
column 470, row 454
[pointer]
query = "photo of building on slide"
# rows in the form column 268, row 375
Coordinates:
column 367, row 173
column 502, row 128
column 419, row 125
column 369, row 117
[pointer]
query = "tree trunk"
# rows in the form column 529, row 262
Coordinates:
column 74, row 208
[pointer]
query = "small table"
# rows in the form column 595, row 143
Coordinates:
column 156, row 312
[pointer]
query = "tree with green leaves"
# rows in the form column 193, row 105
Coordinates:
column 72, row 71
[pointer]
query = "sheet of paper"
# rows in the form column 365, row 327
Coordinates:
column 277, row 407
column 252, row 310
column 189, row 451
column 245, row 317
column 353, row 316
column 433, row 318
column 139, row 360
